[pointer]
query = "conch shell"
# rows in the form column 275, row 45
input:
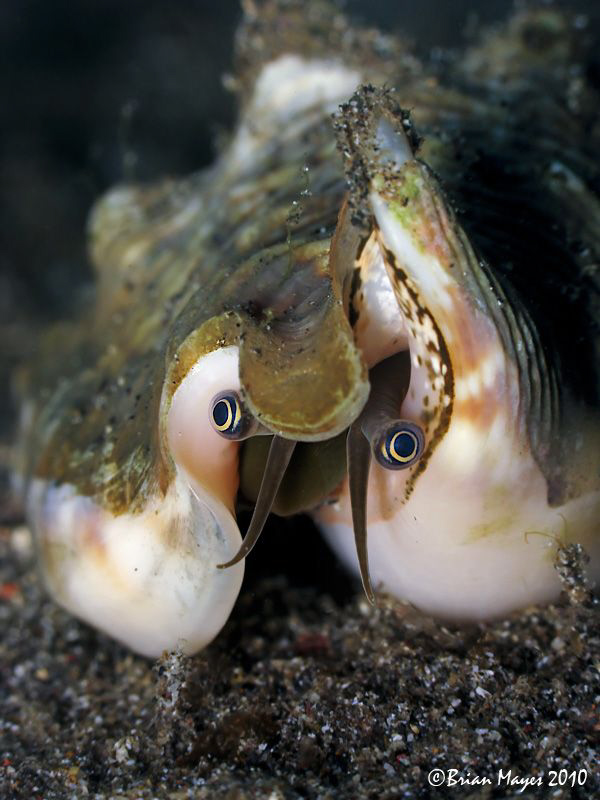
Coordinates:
column 316, row 286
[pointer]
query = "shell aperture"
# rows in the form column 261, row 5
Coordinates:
column 449, row 534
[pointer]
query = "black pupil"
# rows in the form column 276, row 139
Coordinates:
column 220, row 413
column 404, row 445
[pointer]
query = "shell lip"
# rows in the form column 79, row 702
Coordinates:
column 147, row 579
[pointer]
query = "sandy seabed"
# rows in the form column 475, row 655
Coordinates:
column 304, row 694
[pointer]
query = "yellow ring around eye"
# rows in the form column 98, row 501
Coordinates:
column 392, row 447
column 237, row 416
column 225, row 426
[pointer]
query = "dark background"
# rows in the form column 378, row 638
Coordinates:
column 93, row 92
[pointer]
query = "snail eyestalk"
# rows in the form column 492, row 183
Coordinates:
column 278, row 459
column 358, row 455
column 395, row 444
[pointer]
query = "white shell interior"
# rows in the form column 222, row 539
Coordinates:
column 150, row 579
column 476, row 538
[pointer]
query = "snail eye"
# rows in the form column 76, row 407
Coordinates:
column 400, row 445
column 229, row 417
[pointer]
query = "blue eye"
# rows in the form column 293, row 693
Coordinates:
column 400, row 446
column 228, row 416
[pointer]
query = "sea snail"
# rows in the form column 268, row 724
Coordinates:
column 310, row 323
